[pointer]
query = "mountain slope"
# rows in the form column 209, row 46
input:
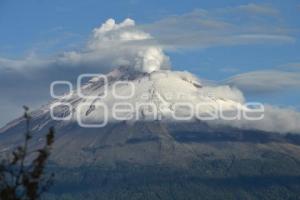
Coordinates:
column 147, row 156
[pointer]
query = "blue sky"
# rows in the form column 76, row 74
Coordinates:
column 236, row 42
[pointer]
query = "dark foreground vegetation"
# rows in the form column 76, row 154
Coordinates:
column 22, row 174
column 275, row 177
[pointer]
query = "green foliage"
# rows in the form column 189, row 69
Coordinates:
column 22, row 174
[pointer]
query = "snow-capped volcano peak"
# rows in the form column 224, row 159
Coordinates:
column 128, row 95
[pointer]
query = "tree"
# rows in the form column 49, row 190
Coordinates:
column 22, row 174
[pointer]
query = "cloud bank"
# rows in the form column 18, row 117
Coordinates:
column 275, row 120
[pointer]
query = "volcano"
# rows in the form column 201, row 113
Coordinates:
column 158, row 146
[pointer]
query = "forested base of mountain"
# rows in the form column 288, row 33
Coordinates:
column 274, row 177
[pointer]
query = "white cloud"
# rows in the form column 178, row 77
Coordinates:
column 259, row 9
column 135, row 47
column 111, row 45
column 275, row 120
column 265, row 81
column 246, row 24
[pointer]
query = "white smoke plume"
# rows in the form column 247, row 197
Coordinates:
column 111, row 45
column 135, row 47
